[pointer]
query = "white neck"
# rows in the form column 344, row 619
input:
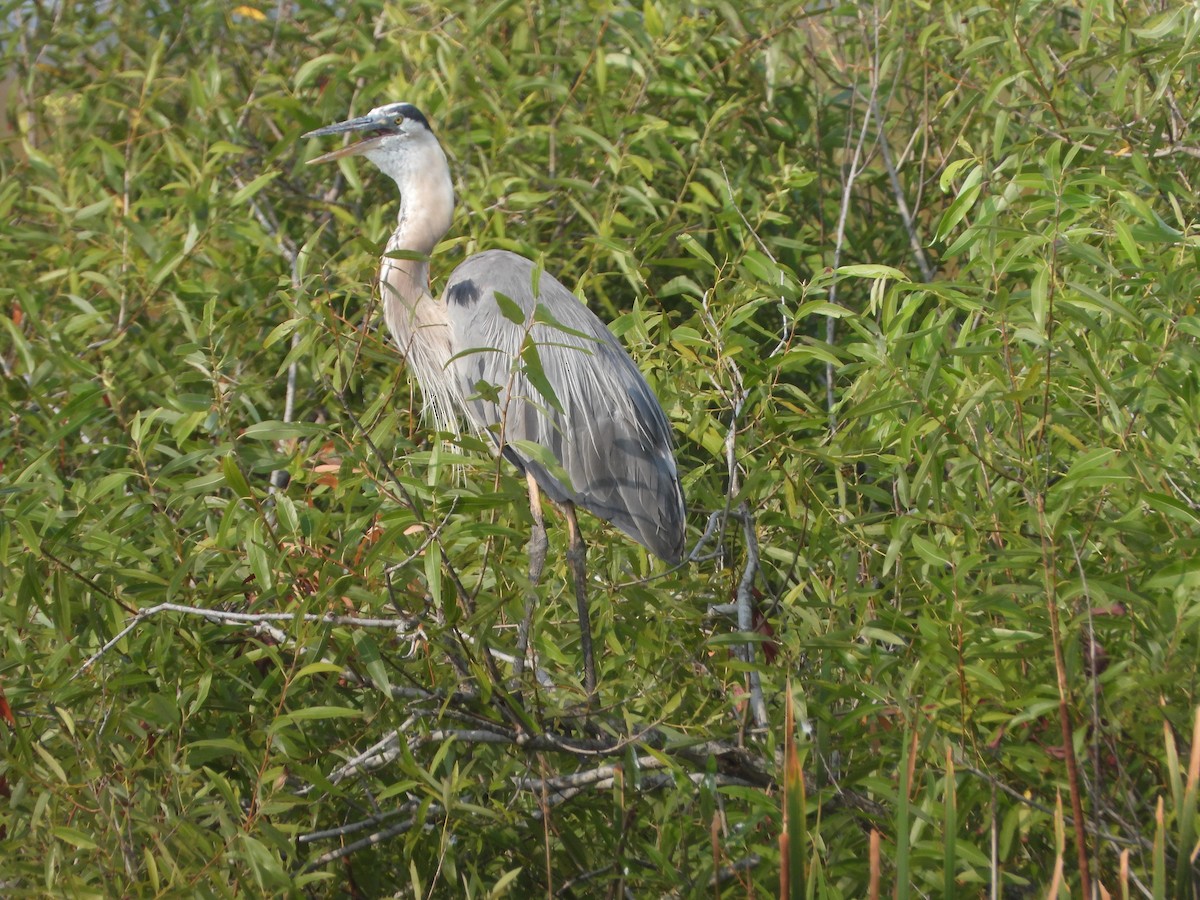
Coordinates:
column 419, row 168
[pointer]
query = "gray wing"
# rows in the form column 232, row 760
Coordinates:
column 607, row 431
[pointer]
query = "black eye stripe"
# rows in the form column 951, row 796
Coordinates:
column 407, row 111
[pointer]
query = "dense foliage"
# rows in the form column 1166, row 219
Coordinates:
column 916, row 285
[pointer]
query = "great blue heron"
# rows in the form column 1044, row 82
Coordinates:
column 512, row 351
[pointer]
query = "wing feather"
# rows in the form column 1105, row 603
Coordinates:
column 601, row 420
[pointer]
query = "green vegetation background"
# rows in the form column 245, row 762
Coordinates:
column 916, row 284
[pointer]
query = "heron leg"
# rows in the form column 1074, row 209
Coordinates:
column 537, row 537
column 537, row 560
column 577, row 557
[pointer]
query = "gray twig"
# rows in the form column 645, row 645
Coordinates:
column 745, row 603
column 898, row 192
column 407, row 628
column 260, row 621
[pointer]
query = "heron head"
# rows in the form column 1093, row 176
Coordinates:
column 387, row 132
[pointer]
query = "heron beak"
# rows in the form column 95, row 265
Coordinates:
column 361, row 124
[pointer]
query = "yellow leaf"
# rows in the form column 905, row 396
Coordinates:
column 250, row 13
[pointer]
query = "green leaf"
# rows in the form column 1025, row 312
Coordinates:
column 929, row 551
column 310, row 714
column 309, row 69
column 249, row 190
column 531, row 368
column 543, row 316
column 372, row 660
column 234, row 478
column 402, row 253
column 279, row 431
column 281, row 331
column 510, row 309
column 872, row 271
column 318, row 668
column 962, row 204
column 1173, row 507
column 543, row 456
column 74, row 837
column 500, row 888
column 692, row 246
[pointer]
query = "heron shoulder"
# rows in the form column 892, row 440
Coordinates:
column 472, row 288
column 507, row 273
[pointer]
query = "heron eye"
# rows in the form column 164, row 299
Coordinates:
column 399, row 120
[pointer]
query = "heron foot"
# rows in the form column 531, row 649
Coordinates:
column 538, row 543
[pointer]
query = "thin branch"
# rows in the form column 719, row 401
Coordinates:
column 714, row 519
column 434, row 815
column 436, row 812
column 402, row 627
column 737, row 396
column 745, row 602
column 355, row 827
column 431, row 535
column 657, row 751
column 732, row 871
column 785, row 335
column 645, row 784
column 840, row 232
column 914, row 241
column 1026, row 800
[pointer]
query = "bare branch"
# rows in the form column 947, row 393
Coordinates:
column 407, row 628
column 745, row 603
column 229, row 617
column 898, row 192
column 434, row 815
